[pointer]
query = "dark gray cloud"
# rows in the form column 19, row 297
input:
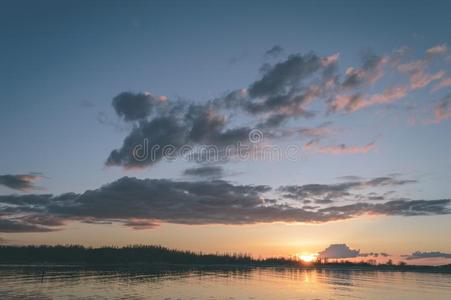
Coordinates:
column 176, row 124
column 374, row 254
column 327, row 193
column 369, row 72
column 205, row 171
column 288, row 87
column 147, row 143
column 8, row 226
column 144, row 203
column 323, row 130
column 443, row 109
column 284, row 91
column 139, row 224
column 423, row 255
column 274, row 51
column 345, row 103
column 22, row 182
column 338, row 251
column 135, row 106
column 287, row 74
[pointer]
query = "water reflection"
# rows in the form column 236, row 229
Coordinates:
column 71, row 282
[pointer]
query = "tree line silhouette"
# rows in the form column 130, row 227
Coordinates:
column 121, row 255
column 154, row 254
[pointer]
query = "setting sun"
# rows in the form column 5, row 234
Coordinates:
column 307, row 257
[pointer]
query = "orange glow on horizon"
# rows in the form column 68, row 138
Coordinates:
column 308, row 258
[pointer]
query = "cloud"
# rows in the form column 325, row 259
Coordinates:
column 442, row 110
column 338, row 251
column 161, row 132
column 356, row 102
column 327, row 193
column 313, row 146
column 437, row 50
column 445, row 82
column 419, row 78
column 20, row 182
column 177, row 124
column 135, row 106
column 10, row 226
column 288, row 87
column 206, row 171
column 370, row 72
column 344, row 149
column 140, row 224
column 285, row 74
column 274, row 51
column 374, row 254
column 423, row 255
column 285, row 91
column 145, row 203
column 322, row 130
column 348, row 103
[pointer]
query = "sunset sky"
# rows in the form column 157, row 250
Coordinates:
column 354, row 98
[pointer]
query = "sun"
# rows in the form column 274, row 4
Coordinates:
column 307, row 257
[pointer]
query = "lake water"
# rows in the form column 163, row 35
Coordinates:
column 258, row 283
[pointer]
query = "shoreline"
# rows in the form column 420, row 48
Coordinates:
column 162, row 267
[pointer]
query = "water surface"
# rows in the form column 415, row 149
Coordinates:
column 65, row 282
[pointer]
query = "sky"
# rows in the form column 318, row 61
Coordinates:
column 337, row 115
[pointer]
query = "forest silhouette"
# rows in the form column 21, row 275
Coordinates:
column 147, row 255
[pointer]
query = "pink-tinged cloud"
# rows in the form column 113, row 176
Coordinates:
column 356, row 102
column 323, row 130
column 389, row 95
column 331, row 59
column 414, row 66
column 419, row 78
column 443, row 110
column 445, row 82
column 437, row 50
column 344, row 149
column 140, row 224
column 313, row 146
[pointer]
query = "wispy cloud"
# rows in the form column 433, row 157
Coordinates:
column 426, row 255
column 445, row 82
column 313, row 146
column 437, row 50
column 356, row 102
column 328, row 193
column 442, row 110
column 205, row 171
column 274, row 51
column 24, row 182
